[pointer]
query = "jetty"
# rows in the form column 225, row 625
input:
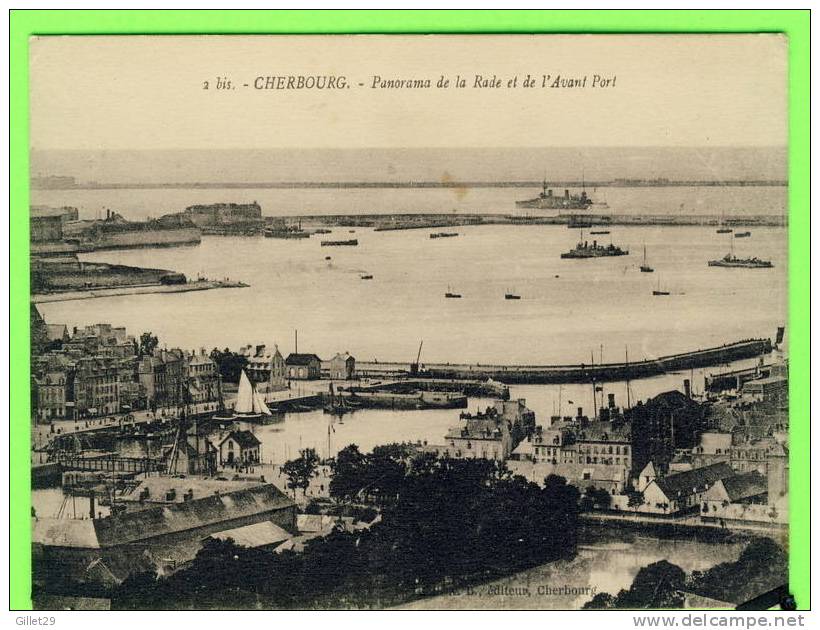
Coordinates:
column 579, row 373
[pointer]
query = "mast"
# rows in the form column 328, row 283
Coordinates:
column 628, row 402
column 594, row 394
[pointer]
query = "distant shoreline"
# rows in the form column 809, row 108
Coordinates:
column 90, row 294
column 618, row 183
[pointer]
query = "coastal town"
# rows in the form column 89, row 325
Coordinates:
column 156, row 454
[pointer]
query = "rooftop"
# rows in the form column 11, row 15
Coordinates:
column 695, row 480
column 301, row 359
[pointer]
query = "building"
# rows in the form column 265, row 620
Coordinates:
column 554, row 444
column 753, row 454
column 191, row 454
column 662, row 425
column 303, row 367
column 162, row 529
column 203, row 377
column 51, row 396
column 278, row 371
column 162, row 377
column 613, row 479
column 684, row 491
column 484, row 437
column 605, row 443
column 773, row 388
column 96, row 387
column 46, row 228
column 748, row 487
column 342, row 367
column 239, row 447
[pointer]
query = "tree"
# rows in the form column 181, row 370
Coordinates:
column 601, row 601
column 656, row 585
column 636, row 499
column 301, row 470
column 148, row 344
column 348, row 473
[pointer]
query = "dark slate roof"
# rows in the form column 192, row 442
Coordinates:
column 477, row 429
column 132, row 527
column 245, row 439
column 745, row 485
column 672, row 399
column 695, row 480
column 604, row 432
column 301, row 359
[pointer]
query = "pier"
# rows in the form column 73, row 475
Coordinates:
column 580, row 373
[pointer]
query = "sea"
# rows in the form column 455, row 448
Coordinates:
column 570, row 311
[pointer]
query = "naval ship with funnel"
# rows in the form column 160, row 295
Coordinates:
column 546, row 200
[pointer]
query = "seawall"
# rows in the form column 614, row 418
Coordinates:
column 581, row 373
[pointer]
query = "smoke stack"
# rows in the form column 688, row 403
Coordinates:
column 611, row 400
column 687, row 388
column 296, row 342
column 580, row 411
column 566, row 193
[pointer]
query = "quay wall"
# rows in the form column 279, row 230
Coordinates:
column 143, row 238
column 555, row 374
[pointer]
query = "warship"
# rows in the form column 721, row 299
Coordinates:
column 730, row 260
column 584, row 250
column 547, row 201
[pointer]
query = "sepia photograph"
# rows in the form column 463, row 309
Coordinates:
column 409, row 322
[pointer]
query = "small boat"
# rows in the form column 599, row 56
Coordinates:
column 352, row 243
column 658, row 290
column 351, row 231
column 645, row 268
column 322, row 231
column 724, row 230
column 599, row 231
column 327, row 257
column 511, row 296
column 450, row 294
column 366, row 276
column 742, row 234
column 443, row 234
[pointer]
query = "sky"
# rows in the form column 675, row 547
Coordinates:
column 145, row 93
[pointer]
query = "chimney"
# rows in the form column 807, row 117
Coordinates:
column 687, row 388
column 580, row 411
column 295, row 342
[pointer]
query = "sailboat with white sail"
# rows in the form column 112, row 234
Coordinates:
column 249, row 405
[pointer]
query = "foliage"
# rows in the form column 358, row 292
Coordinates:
column 601, row 601
column 445, row 524
column 655, row 586
column 762, row 566
column 595, row 498
column 636, row 499
column 229, row 364
column 148, row 343
column 301, row 470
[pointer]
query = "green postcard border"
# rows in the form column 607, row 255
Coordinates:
column 25, row 23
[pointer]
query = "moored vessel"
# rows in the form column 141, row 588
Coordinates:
column 645, row 268
column 730, row 260
column 350, row 243
column 584, row 250
column 546, row 200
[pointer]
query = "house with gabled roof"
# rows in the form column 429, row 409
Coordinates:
column 683, row 491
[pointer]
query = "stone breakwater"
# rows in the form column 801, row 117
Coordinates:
column 581, row 373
